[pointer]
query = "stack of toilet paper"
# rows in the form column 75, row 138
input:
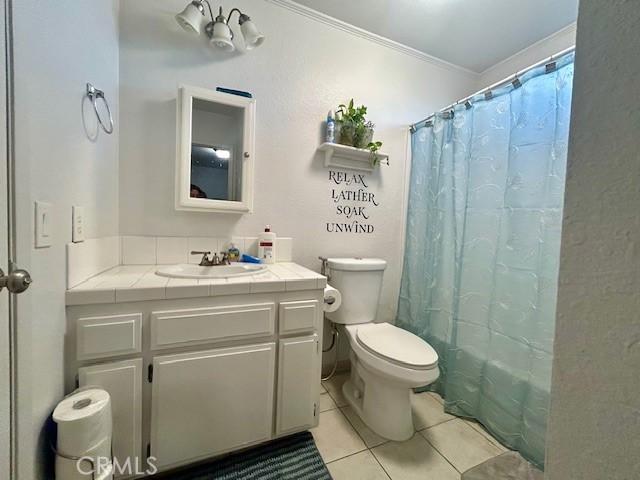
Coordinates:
column 332, row 299
column 84, row 436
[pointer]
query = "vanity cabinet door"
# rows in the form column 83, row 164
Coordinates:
column 211, row 402
column 299, row 317
column 123, row 381
column 298, row 384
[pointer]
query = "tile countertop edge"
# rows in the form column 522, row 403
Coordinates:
column 128, row 283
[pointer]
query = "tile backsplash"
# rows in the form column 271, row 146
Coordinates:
column 170, row 250
column 87, row 259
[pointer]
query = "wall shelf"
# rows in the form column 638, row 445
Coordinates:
column 343, row 156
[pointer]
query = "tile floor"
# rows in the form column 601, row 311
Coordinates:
column 442, row 449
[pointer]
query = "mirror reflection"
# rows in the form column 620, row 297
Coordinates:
column 216, row 143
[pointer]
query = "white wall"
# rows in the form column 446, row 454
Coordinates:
column 594, row 427
column 303, row 69
column 59, row 47
column 540, row 50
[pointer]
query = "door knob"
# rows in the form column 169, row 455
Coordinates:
column 16, row 282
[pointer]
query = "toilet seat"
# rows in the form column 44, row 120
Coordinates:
column 397, row 346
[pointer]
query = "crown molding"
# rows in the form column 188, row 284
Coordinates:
column 372, row 37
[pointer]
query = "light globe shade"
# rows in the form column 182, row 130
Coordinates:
column 252, row 36
column 222, row 37
column 190, row 18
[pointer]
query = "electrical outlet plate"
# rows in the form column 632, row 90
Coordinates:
column 77, row 224
column 44, row 224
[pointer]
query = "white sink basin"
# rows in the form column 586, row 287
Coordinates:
column 221, row 271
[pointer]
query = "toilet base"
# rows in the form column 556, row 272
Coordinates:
column 385, row 407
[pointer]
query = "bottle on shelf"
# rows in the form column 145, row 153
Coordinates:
column 331, row 127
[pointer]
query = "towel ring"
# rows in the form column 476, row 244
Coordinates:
column 94, row 94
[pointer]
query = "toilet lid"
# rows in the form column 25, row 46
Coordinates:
column 397, row 345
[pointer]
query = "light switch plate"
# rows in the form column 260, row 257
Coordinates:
column 77, row 224
column 44, row 225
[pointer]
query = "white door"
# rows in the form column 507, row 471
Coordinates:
column 211, row 402
column 298, row 384
column 5, row 396
column 16, row 281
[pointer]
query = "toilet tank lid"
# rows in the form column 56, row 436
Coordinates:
column 356, row 264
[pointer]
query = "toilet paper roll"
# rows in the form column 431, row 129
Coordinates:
column 332, row 299
column 84, row 430
column 96, row 460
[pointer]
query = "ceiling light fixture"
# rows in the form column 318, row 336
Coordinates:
column 218, row 30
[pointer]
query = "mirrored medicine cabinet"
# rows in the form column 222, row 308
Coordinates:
column 215, row 154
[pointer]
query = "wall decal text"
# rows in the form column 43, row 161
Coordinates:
column 352, row 203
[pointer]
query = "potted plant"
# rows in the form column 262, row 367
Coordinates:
column 364, row 135
column 374, row 147
column 353, row 129
column 352, row 120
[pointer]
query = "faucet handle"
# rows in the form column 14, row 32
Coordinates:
column 205, row 256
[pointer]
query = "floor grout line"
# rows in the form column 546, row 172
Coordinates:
column 378, row 461
column 354, row 429
column 440, row 453
column 347, row 456
column 477, row 426
column 436, row 424
column 357, row 432
column 332, row 397
column 335, row 406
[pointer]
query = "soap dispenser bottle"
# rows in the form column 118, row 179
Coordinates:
column 233, row 253
column 267, row 245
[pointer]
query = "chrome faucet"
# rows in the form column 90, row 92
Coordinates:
column 215, row 260
column 204, row 262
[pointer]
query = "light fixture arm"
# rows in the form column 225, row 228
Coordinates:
column 208, row 5
column 241, row 16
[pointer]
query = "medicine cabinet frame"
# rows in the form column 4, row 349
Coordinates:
column 183, row 199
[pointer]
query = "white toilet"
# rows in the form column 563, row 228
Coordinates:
column 386, row 361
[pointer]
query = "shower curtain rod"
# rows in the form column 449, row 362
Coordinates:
column 505, row 81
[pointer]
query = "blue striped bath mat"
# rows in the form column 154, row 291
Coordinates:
column 291, row 458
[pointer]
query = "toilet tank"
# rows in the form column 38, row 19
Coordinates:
column 359, row 280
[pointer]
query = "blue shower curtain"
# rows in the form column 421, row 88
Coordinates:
column 482, row 251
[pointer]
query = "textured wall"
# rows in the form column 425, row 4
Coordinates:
column 303, row 69
column 594, row 431
column 59, row 47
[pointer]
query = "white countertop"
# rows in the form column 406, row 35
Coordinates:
column 135, row 283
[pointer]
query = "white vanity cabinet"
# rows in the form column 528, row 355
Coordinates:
column 209, row 402
column 194, row 378
column 297, row 396
column 123, row 381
